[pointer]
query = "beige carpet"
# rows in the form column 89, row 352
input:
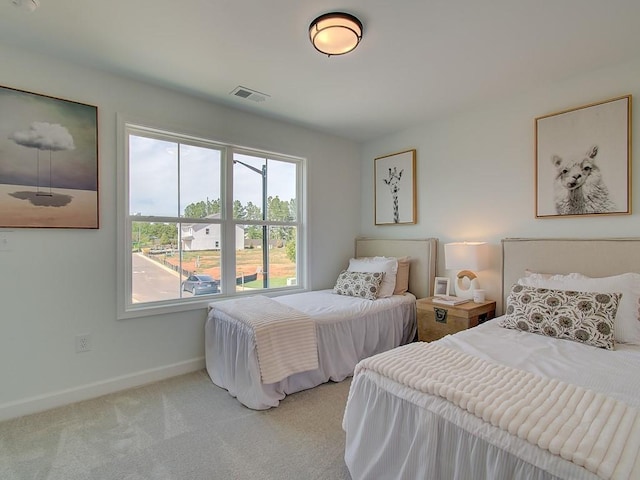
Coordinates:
column 184, row 428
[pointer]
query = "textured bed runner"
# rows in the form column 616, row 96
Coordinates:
column 590, row 429
column 285, row 337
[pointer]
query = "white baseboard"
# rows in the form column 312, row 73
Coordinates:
column 92, row 390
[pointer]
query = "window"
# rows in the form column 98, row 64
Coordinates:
column 205, row 220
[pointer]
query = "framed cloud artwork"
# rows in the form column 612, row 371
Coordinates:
column 395, row 188
column 583, row 160
column 48, row 162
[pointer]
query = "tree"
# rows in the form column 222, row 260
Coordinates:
column 290, row 250
column 202, row 209
column 151, row 233
column 293, row 209
column 277, row 210
column 239, row 211
column 253, row 212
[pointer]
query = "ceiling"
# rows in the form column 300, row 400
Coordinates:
column 418, row 60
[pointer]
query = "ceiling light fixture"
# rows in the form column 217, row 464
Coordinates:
column 335, row 33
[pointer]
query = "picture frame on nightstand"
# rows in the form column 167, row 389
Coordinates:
column 441, row 286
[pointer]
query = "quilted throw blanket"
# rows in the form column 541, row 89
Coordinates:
column 285, row 337
column 590, row 429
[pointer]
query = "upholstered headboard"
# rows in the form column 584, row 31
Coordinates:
column 597, row 257
column 422, row 253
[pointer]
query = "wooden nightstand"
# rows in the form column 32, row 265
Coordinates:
column 435, row 320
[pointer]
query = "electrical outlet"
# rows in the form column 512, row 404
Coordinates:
column 83, row 343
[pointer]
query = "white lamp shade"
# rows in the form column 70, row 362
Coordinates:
column 466, row 256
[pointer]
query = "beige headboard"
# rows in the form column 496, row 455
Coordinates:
column 598, row 257
column 423, row 255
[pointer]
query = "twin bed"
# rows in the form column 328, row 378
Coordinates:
column 426, row 410
column 346, row 329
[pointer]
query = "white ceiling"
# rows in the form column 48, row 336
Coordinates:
column 418, row 60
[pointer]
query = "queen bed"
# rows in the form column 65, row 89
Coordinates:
column 427, row 411
column 344, row 330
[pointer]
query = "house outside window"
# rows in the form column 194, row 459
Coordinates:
column 199, row 207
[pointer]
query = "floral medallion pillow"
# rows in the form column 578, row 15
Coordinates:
column 359, row 284
column 579, row 316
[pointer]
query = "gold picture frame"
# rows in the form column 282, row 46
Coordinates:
column 583, row 160
column 395, row 188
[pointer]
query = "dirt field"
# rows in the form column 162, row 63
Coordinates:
column 247, row 262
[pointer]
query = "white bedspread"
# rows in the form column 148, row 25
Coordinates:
column 426, row 436
column 585, row 427
column 348, row 329
column 285, row 337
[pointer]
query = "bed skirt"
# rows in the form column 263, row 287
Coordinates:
column 425, row 437
column 232, row 363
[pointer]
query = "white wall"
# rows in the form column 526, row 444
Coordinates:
column 475, row 171
column 55, row 284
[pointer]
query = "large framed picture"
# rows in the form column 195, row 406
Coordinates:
column 583, row 160
column 395, row 188
column 49, row 162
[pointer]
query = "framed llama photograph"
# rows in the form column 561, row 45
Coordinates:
column 583, row 160
column 49, row 162
column 395, row 188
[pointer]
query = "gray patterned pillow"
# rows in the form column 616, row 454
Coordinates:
column 579, row 316
column 359, row 284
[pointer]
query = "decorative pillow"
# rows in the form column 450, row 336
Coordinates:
column 627, row 321
column 579, row 316
column 359, row 284
column 402, row 277
column 386, row 265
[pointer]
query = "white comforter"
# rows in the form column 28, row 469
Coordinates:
column 348, row 329
column 588, row 428
column 394, row 431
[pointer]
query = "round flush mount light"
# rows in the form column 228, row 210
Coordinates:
column 335, row 33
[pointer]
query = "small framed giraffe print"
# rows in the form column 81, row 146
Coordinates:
column 394, row 188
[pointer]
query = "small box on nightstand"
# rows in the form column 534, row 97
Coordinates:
column 435, row 320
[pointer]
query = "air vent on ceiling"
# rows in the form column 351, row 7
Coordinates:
column 247, row 93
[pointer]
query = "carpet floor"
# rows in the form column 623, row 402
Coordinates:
column 183, row 428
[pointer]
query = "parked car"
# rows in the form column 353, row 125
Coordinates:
column 200, row 285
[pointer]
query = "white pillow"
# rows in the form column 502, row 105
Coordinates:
column 387, row 265
column 531, row 279
column 627, row 321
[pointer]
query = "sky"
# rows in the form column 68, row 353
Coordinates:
column 43, row 137
column 154, row 177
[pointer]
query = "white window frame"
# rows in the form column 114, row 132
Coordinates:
column 127, row 309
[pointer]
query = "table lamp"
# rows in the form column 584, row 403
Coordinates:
column 466, row 257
